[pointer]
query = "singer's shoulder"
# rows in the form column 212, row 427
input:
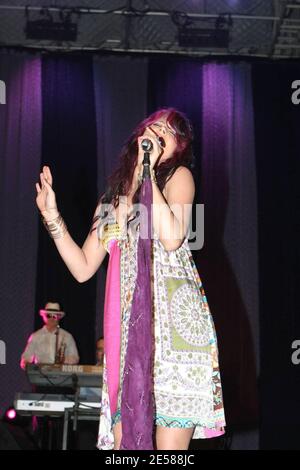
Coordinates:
column 180, row 188
column 182, row 172
column 182, row 177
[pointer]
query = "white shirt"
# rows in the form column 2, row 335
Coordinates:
column 41, row 346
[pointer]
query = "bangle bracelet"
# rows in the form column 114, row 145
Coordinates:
column 48, row 221
column 56, row 227
column 152, row 177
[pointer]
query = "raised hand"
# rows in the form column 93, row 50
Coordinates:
column 45, row 199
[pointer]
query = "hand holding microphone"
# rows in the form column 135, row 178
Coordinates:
column 150, row 142
column 147, row 147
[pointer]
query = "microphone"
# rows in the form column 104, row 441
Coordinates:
column 147, row 146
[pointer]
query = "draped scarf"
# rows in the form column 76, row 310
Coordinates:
column 137, row 399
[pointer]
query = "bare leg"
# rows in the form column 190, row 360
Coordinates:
column 117, row 430
column 173, row 438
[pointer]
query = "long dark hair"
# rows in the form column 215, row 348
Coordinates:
column 119, row 183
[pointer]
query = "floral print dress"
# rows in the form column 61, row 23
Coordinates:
column 187, row 387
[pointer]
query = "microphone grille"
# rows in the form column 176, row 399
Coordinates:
column 147, row 145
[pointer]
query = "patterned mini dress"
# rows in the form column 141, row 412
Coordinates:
column 187, row 386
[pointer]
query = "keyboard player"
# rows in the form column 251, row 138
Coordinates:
column 50, row 344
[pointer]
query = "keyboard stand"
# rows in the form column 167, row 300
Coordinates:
column 76, row 402
column 65, row 430
column 76, row 413
column 91, row 414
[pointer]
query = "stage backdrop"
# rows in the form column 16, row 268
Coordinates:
column 73, row 112
column 20, row 160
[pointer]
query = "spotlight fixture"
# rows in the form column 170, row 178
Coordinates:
column 191, row 36
column 46, row 28
column 203, row 37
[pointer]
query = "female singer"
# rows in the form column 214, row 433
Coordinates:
column 187, row 391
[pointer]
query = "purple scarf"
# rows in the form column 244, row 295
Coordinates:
column 137, row 400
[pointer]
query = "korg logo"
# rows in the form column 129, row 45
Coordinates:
column 2, row 92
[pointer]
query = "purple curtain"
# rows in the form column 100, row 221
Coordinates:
column 229, row 258
column 120, row 88
column 20, row 153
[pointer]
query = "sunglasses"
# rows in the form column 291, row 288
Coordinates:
column 52, row 315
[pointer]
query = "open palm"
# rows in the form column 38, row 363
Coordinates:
column 45, row 199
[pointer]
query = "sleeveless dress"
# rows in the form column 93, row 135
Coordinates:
column 186, row 376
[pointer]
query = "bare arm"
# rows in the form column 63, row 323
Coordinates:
column 171, row 209
column 171, row 215
column 28, row 352
column 81, row 262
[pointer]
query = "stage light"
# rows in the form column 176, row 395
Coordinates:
column 43, row 30
column 46, row 28
column 11, row 414
column 203, row 37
